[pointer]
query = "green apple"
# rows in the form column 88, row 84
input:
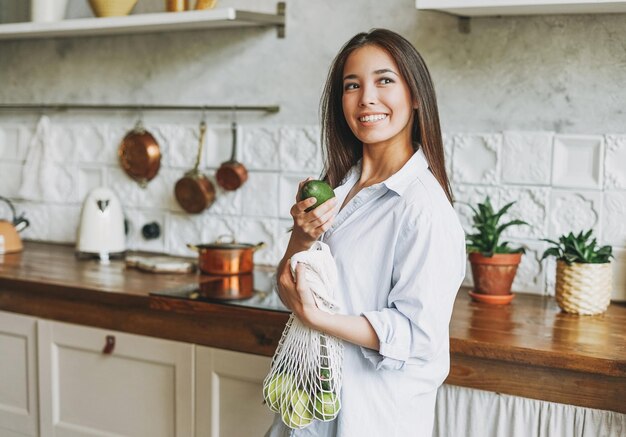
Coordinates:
column 296, row 413
column 279, row 385
column 326, row 378
column 327, row 406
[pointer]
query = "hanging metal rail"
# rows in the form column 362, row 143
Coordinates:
column 125, row 107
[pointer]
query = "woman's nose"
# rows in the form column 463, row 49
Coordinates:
column 368, row 96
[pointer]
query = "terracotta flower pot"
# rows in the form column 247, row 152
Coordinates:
column 493, row 276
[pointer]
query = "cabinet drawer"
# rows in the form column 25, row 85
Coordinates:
column 18, row 375
column 99, row 382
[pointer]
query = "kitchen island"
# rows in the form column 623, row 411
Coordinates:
column 528, row 348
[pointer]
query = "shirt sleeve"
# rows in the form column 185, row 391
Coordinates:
column 428, row 268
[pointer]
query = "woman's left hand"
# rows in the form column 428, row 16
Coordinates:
column 297, row 295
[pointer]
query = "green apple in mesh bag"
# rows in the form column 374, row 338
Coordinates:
column 326, row 405
column 296, row 412
column 279, row 385
column 318, row 189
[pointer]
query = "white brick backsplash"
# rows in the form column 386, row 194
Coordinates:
column 448, row 150
column 181, row 229
column 619, row 275
column 217, row 226
column 527, row 157
column 615, row 162
column 549, row 265
column 282, row 239
column 577, row 161
column 260, row 195
column 574, row 212
column 477, row 158
column 89, row 177
column 260, row 147
column 220, row 146
column 288, row 187
column 226, row 202
column 13, row 142
column 530, row 277
column 159, row 193
column 179, row 145
column 472, row 194
column 137, row 218
column 614, row 218
column 253, row 231
column 520, row 166
column 300, row 149
column 11, row 177
column 531, row 205
column 56, row 223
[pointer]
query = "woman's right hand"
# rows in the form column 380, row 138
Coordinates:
column 308, row 226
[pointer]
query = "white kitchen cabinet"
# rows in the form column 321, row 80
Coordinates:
column 18, row 375
column 477, row 8
column 229, row 399
column 142, row 387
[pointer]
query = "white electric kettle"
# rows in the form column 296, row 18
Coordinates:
column 101, row 230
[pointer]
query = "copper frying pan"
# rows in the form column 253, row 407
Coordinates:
column 140, row 155
column 194, row 192
column 232, row 174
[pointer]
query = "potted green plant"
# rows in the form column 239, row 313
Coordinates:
column 494, row 263
column 584, row 276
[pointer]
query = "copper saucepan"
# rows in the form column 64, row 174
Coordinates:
column 140, row 155
column 194, row 192
column 232, row 174
column 226, row 258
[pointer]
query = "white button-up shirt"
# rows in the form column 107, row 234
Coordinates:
column 400, row 254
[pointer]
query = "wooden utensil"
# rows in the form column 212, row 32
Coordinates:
column 232, row 174
column 195, row 192
column 140, row 155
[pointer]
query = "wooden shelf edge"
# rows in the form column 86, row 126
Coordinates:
column 486, row 8
column 142, row 23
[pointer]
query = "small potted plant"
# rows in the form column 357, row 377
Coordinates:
column 494, row 263
column 583, row 273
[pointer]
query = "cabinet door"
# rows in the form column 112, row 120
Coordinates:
column 18, row 375
column 229, row 394
column 142, row 386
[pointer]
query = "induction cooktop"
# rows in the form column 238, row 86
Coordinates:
column 255, row 290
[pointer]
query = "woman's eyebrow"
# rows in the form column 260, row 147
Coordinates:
column 380, row 71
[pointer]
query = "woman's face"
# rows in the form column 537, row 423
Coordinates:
column 376, row 99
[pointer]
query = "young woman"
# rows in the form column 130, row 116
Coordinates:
column 397, row 242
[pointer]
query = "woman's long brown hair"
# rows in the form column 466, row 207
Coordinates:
column 342, row 148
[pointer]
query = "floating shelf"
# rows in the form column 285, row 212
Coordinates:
column 146, row 23
column 478, row 8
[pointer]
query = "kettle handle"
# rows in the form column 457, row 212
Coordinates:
column 8, row 202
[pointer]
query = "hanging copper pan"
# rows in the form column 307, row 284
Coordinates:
column 140, row 155
column 194, row 192
column 232, row 174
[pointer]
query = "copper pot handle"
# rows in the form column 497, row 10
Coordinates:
column 258, row 246
column 192, row 247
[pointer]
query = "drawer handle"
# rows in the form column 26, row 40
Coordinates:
column 109, row 345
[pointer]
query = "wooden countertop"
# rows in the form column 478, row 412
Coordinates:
column 528, row 348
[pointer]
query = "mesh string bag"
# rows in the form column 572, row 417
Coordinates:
column 304, row 381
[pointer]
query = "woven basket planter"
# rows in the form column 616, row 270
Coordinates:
column 583, row 288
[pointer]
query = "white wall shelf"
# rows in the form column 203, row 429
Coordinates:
column 481, row 8
column 146, row 23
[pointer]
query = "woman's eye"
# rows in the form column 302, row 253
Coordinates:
column 386, row 80
column 350, row 86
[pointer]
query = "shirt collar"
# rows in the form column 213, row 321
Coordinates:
column 400, row 180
